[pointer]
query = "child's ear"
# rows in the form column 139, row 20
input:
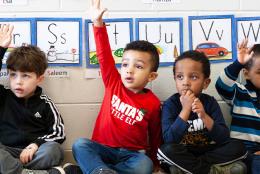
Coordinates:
column 152, row 76
column 40, row 79
column 206, row 83
column 245, row 72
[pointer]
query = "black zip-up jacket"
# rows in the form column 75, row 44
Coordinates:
column 22, row 122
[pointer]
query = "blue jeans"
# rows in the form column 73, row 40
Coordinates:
column 92, row 156
column 48, row 155
column 253, row 161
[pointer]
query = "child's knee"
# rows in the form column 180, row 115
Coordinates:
column 81, row 142
column 52, row 150
column 171, row 148
column 144, row 166
column 2, row 157
column 53, row 147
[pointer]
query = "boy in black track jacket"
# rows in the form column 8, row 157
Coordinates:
column 31, row 127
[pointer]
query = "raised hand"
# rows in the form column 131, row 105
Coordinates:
column 244, row 54
column 6, row 35
column 96, row 13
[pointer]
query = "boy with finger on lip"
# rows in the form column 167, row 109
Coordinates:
column 194, row 131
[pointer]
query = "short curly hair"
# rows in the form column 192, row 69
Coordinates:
column 145, row 46
column 198, row 57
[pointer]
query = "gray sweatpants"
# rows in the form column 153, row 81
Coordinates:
column 48, row 155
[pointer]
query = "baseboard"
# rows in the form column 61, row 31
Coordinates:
column 68, row 157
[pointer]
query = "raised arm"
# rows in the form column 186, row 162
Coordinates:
column 6, row 35
column 244, row 54
column 106, row 60
column 96, row 13
column 5, row 39
column 227, row 84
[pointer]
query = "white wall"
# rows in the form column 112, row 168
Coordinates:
column 79, row 99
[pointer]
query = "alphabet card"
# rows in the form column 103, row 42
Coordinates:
column 60, row 39
column 22, row 33
column 213, row 35
column 248, row 27
column 165, row 33
column 120, row 33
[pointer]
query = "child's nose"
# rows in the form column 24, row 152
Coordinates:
column 19, row 80
column 186, row 82
column 129, row 70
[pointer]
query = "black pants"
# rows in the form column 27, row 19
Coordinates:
column 198, row 159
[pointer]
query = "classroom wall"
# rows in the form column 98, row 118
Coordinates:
column 78, row 98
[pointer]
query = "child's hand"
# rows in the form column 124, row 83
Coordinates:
column 244, row 54
column 5, row 35
column 27, row 153
column 96, row 13
column 156, row 168
column 187, row 98
column 257, row 153
column 198, row 108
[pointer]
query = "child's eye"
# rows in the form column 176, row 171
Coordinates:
column 179, row 77
column 139, row 67
column 194, row 77
column 26, row 75
column 124, row 65
column 12, row 74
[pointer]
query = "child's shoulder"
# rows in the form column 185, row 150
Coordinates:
column 153, row 96
column 207, row 96
column 174, row 97
column 2, row 90
column 150, row 98
column 39, row 93
column 208, row 100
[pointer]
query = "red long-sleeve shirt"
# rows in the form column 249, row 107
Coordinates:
column 126, row 119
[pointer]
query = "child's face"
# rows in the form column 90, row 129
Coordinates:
column 189, row 76
column 253, row 74
column 136, row 70
column 23, row 84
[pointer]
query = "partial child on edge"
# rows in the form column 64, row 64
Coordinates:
column 244, row 100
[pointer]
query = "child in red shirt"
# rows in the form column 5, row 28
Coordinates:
column 128, row 125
